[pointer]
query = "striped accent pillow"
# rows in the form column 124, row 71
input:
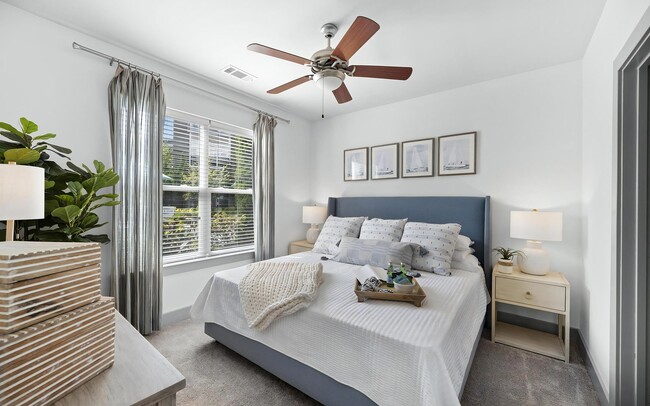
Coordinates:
column 333, row 230
column 438, row 239
column 374, row 252
column 380, row 229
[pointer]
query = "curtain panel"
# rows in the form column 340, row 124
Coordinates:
column 264, row 187
column 137, row 114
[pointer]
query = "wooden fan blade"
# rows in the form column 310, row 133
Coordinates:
column 382, row 72
column 276, row 53
column 359, row 33
column 289, row 85
column 342, row 94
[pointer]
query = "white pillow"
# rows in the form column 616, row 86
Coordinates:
column 463, row 243
column 460, row 255
column 333, row 230
column 383, row 230
column 438, row 239
column 470, row 263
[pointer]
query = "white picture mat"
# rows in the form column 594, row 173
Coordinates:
column 457, row 154
column 384, row 161
column 417, row 158
column 356, row 164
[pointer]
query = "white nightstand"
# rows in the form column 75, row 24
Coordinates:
column 300, row 246
column 550, row 293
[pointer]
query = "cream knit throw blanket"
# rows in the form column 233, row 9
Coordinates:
column 275, row 289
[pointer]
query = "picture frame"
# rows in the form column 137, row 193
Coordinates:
column 355, row 164
column 457, row 154
column 417, row 158
column 385, row 161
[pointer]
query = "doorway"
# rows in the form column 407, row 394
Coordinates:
column 632, row 311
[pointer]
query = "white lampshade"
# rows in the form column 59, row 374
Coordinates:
column 314, row 214
column 536, row 225
column 22, row 192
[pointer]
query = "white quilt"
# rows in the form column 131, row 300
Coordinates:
column 368, row 345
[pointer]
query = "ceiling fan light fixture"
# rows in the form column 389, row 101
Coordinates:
column 329, row 79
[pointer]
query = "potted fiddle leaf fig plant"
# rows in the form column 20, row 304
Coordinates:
column 506, row 258
column 72, row 194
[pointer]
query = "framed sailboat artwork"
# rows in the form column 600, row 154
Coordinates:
column 457, row 154
column 417, row 158
column 385, row 161
column 355, row 164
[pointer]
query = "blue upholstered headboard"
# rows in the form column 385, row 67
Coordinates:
column 472, row 213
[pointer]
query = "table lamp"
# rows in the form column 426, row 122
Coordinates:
column 535, row 226
column 314, row 215
column 22, row 194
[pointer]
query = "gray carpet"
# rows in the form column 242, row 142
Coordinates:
column 500, row 375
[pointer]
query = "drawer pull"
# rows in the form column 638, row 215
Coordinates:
column 529, row 295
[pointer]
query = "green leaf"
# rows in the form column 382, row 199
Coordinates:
column 110, row 178
column 17, row 138
column 10, row 128
column 49, row 184
column 99, row 166
column 90, row 220
column 52, row 236
column 59, row 148
column 68, row 213
column 28, row 126
column 4, row 145
column 66, row 199
column 108, row 196
column 22, row 156
column 75, row 188
column 45, row 136
column 110, row 204
column 50, row 204
column 78, row 169
column 93, row 184
column 102, row 238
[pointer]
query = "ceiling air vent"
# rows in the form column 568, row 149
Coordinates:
column 238, row 73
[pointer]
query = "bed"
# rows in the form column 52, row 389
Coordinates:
column 341, row 352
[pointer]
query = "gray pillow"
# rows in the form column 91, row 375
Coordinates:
column 375, row 252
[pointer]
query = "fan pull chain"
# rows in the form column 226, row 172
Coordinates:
column 322, row 111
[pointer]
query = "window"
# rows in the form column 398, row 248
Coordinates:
column 207, row 189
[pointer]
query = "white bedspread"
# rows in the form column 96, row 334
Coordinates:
column 368, row 345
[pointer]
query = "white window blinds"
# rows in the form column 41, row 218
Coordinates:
column 207, row 189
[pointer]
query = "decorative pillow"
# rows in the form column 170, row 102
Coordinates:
column 463, row 243
column 333, row 230
column 374, row 252
column 470, row 264
column 460, row 255
column 438, row 239
column 380, row 229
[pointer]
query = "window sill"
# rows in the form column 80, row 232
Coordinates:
column 196, row 263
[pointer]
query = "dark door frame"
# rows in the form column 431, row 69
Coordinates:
column 630, row 381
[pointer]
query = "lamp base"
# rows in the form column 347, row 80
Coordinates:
column 535, row 260
column 312, row 233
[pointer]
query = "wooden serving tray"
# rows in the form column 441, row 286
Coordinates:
column 416, row 297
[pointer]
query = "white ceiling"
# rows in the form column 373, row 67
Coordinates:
column 449, row 43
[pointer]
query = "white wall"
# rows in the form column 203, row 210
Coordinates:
column 528, row 153
column 65, row 91
column 618, row 20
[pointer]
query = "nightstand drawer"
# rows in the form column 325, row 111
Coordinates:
column 530, row 293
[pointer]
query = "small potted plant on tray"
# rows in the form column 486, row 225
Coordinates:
column 507, row 256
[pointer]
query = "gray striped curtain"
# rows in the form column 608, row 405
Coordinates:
column 137, row 114
column 264, row 187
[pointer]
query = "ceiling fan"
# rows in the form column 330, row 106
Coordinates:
column 330, row 67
